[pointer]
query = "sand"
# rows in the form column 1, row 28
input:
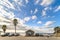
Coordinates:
column 29, row 38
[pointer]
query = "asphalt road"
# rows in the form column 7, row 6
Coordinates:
column 29, row 38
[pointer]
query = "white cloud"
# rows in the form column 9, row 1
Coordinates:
column 58, row 8
column 27, row 18
column 37, row 1
column 17, row 4
column 10, row 15
column 46, row 2
column 47, row 8
column 43, row 30
column 6, row 3
column 4, row 23
column 27, row 1
column 49, row 23
column 20, row 21
column 44, row 13
column 35, row 11
column 3, row 11
column 44, row 10
column 17, row 1
column 20, row 2
column 6, row 17
column 50, row 16
column 34, row 17
column 39, row 22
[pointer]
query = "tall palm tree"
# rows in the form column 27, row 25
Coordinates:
column 15, row 22
column 4, row 27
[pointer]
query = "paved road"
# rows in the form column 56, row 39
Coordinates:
column 29, row 38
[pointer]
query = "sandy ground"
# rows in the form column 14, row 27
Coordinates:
column 29, row 38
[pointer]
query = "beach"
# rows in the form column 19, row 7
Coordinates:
column 29, row 38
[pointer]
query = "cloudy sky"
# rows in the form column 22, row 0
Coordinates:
column 41, row 15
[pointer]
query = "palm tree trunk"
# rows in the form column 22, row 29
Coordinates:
column 4, row 30
column 15, row 29
column 56, row 33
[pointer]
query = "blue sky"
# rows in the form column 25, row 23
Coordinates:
column 33, row 13
column 31, row 6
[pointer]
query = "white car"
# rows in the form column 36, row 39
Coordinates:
column 3, row 34
column 11, row 34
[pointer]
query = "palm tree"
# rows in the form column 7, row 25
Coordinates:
column 56, row 29
column 15, row 22
column 4, row 27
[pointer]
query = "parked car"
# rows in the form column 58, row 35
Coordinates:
column 37, row 34
column 11, row 34
column 4, row 34
column 17, row 34
column 41, row 35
